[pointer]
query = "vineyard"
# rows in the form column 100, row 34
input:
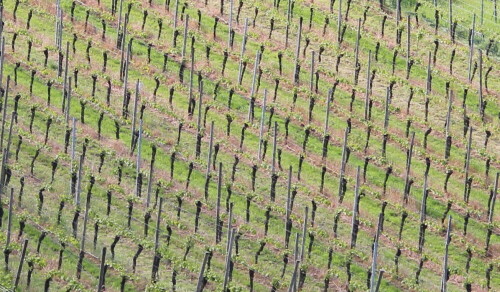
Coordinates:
column 245, row 145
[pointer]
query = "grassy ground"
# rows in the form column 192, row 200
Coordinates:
column 160, row 124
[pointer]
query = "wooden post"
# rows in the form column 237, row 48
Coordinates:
column 408, row 166
column 387, row 112
column 13, row 118
column 200, row 99
column 339, row 24
column 4, row 114
column 408, row 46
column 2, row 57
column 85, row 220
column 9, row 220
column 134, row 117
column 327, row 111
column 375, row 254
column 448, row 114
column 230, row 24
column 198, row 123
column 218, row 232
column 491, row 206
column 423, row 205
column 65, row 84
column 467, row 163
column 288, row 207
column 356, row 54
column 151, row 176
column 243, row 48
column 59, row 24
column 209, row 159
column 326, row 136
column 447, row 126
column 202, row 272
column 229, row 225
column 118, row 30
column 379, row 281
column 124, row 58
column 228, row 261
column 3, row 168
column 156, row 258
column 138, row 161
column 176, row 13
column 68, row 105
column 304, row 233
column 480, row 101
column 471, row 46
column 158, row 224
column 124, row 77
column 428, row 86
column 7, row 249
column 275, row 137
column 368, row 89
column 292, row 286
column 252, row 91
column 288, row 17
column 261, row 130
column 450, row 12
column 444, row 277
column 398, row 10
column 386, row 122
column 342, row 165
column 274, row 176
column 493, row 200
column 73, row 142
column 191, row 76
column 296, row 255
column 289, row 194
column 311, row 81
column 184, row 41
column 355, row 213
column 79, row 182
column 297, row 52
column 423, row 214
column 72, row 156
column 102, row 270
column 21, row 262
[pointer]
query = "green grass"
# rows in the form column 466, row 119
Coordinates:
column 268, row 262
